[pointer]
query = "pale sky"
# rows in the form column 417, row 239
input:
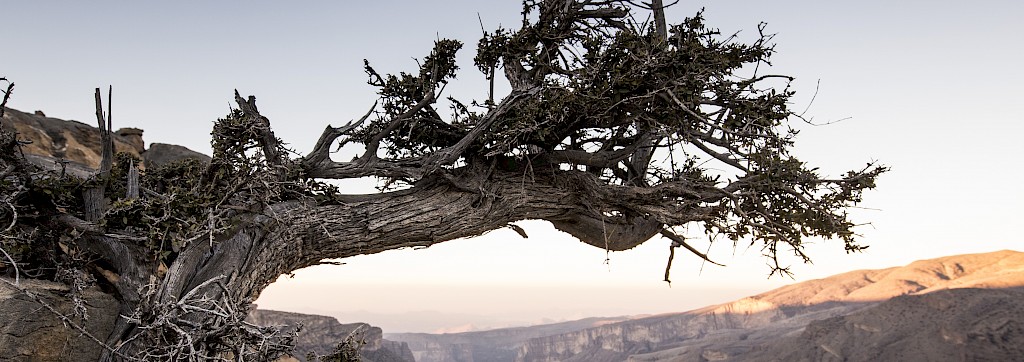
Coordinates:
column 930, row 88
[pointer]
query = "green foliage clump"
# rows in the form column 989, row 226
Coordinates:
column 406, row 95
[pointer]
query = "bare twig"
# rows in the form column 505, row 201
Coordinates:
column 107, row 160
column 679, row 241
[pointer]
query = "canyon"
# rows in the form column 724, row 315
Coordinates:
column 966, row 306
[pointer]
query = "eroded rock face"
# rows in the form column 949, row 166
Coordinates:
column 134, row 138
column 56, row 138
column 618, row 341
column 963, row 307
column 31, row 332
column 80, row 145
column 321, row 334
column 498, row 345
column 947, row 325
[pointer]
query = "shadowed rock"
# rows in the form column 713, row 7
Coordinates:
column 160, row 154
column 321, row 334
column 69, row 140
column 30, row 332
column 77, row 146
column 947, row 325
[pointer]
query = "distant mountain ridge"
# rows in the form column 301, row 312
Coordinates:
column 834, row 318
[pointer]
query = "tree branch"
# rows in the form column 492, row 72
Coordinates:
column 374, row 143
column 104, row 123
column 269, row 143
column 605, row 159
column 321, row 151
column 679, row 241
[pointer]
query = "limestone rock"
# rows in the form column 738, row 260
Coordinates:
column 321, row 334
column 493, row 345
column 134, row 138
column 30, row 332
column 956, row 324
column 79, row 145
column 160, row 154
column 56, row 138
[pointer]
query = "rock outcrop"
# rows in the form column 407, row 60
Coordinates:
column 31, row 332
column 320, row 334
column 492, row 346
column 160, row 154
column 69, row 140
column 80, row 145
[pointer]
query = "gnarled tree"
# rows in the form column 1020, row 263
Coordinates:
column 614, row 131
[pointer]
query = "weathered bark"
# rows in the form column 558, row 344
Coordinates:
column 132, row 191
column 293, row 235
column 303, row 234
